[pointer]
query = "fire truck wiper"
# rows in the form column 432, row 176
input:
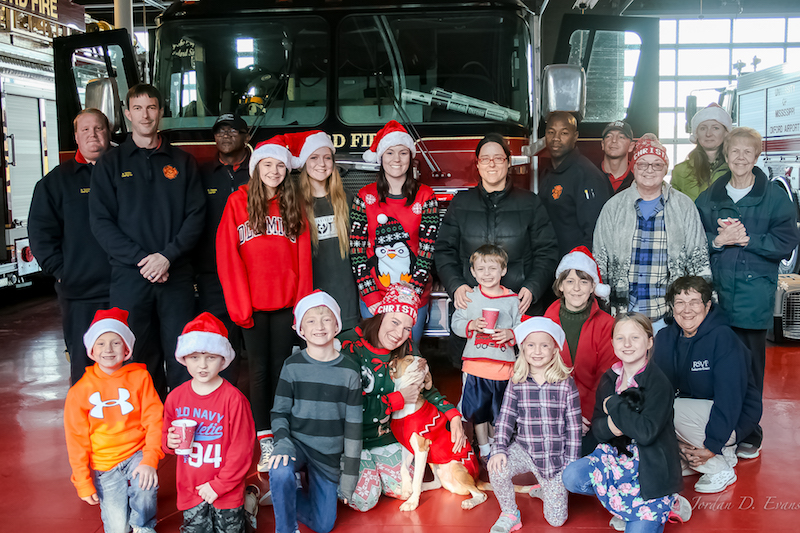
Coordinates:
column 461, row 104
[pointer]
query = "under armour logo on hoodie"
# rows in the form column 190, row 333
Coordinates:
column 124, row 405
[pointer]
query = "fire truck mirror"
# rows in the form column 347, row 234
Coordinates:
column 102, row 94
column 564, row 89
column 691, row 109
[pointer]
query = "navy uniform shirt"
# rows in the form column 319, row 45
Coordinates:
column 146, row 201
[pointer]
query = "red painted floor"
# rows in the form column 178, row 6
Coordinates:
column 37, row 496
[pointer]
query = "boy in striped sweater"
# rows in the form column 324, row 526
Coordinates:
column 316, row 419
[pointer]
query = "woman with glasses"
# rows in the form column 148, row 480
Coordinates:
column 716, row 400
column 647, row 236
column 751, row 225
column 393, row 226
column 496, row 212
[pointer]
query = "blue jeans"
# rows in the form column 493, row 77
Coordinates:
column 576, row 477
column 317, row 509
column 121, row 500
column 419, row 325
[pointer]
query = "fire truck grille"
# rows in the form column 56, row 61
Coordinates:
column 791, row 315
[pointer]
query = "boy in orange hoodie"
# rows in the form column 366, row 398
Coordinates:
column 112, row 421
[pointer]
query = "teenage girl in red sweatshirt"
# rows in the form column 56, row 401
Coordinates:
column 264, row 263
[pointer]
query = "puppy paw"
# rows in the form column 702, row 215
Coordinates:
column 410, row 504
column 473, row 502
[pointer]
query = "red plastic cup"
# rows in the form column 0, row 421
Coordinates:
column 185, row 429
column 490, row 316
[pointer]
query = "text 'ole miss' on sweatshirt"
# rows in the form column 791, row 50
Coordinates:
column 260, row 272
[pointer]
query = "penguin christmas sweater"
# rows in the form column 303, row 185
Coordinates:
column 392, row 242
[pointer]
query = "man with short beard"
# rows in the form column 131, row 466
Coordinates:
column 62, row 242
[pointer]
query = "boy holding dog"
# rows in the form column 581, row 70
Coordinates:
column 316, row 419
column 488, row 358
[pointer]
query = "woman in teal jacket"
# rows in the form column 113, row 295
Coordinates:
column 751, row 225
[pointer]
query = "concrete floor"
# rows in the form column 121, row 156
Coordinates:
column 37, row 495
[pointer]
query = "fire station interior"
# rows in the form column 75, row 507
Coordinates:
column 37, row 494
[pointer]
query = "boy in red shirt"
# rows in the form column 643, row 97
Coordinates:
column 211, row 478
column 112, row 421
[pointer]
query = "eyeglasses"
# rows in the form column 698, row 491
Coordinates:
column 227, row 133
column 694, row 305
column 658, row 166
column 498, row 159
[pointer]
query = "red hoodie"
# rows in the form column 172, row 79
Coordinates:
column 260, row 272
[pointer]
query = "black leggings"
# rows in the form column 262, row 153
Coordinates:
column 268, row 343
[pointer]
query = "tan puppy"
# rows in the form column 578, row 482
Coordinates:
column 421, row 428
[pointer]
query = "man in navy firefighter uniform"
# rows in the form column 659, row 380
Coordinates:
column 58, row 227
column 147, row 211
column 221, row 176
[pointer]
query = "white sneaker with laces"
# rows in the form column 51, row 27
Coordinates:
column 266, row 452
column 713, row 483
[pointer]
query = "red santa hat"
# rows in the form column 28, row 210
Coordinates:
column 114, row 320
column 540, row 324
column 649, row 144
column 580, row 258
column 316, row 299
column 392, row 134
column 711, row 112
column 276, row 148
column 305, row 143
column 208, row 334
column 399, row 298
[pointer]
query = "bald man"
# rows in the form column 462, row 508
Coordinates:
column 572, row 189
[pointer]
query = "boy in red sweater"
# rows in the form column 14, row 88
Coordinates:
column 112, row 421
column 211, row 478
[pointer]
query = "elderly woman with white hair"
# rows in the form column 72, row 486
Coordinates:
column 647, row 236
column 751, row 225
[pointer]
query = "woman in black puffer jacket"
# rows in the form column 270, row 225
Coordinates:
column 496, row 212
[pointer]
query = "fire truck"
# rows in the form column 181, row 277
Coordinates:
column 27, row 119
column 449, row 71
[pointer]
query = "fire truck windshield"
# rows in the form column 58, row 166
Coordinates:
column 280, row 70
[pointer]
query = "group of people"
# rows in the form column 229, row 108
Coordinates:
column 255, row 252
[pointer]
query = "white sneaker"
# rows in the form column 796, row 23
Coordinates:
column 266, row 452
column 266, row 499
column 507, row 523
column 681, row 509
column 617, row 523
column 712, row 483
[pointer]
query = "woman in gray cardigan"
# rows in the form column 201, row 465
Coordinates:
column 647, row 236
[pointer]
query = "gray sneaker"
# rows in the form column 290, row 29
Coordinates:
column 617, row 523
column 507, row 523
column 745, row 450
column 681, row 510
column 713, row 483
column 267, row 446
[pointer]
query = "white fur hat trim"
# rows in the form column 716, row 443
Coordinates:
column 395, row 138
column 108, row 325
column 313, row 143
column 204, row 341
column 711, row 112
column 316, row 299
column 578, row 260
column 540, row 323
column 275, row 151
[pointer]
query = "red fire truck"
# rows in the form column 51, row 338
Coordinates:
column 449, row 71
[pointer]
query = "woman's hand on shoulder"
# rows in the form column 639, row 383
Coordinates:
column 460, row 299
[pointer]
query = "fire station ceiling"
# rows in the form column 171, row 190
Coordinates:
column 146, row 10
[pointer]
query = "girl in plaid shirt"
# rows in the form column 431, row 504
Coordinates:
column 543, row 403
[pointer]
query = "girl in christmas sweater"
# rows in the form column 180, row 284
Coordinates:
column 394, row 223
column 264, row 263
column 373, row 345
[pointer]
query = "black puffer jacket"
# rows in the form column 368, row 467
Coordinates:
column 514, row 219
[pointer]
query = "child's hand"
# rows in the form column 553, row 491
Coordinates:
column 478, row 324
column 497, row 462
column 502, row 336
column 275, row 461
column 173, row 439
column 585, row 426
column 91, row 500
column 457, row 436
column 148, row 477
column 207, row 493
